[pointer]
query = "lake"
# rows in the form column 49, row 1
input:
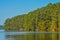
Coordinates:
column 29, row 35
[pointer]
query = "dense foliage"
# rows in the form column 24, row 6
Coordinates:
column 45, row 19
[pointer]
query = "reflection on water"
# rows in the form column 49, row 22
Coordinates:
column 33, row 36
column 2, row 35
column 28, row 35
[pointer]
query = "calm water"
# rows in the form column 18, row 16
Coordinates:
column 28, row 36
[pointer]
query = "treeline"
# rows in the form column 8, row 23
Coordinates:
column 45, row 19
column 1, row 27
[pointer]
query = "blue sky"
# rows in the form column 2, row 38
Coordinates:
column 11, row 8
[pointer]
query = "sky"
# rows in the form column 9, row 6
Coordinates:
column 11, row 8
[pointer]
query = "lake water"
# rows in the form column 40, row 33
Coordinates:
column 28, row 36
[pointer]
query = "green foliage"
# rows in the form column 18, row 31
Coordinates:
column 45, row 19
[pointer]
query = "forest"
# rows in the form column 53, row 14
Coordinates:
column 45, row 19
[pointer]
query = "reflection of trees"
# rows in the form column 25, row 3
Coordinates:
column 14, row 37
column 34, row 36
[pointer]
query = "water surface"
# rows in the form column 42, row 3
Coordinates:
column 29, row 35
